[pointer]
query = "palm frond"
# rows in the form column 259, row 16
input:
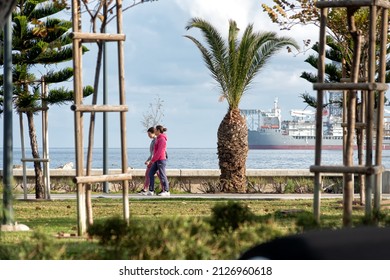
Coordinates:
column 217, row 51
column 234, row 64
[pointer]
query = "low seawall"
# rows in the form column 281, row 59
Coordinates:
column 201, row 180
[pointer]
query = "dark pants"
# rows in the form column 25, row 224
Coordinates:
column 160, row 167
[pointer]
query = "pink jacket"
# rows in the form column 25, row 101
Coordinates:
column 160, row 147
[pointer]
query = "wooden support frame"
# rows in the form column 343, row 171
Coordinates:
column 351, row 86
column 372, row 170
column 93, row 37
column 99, row 108
column 83, row 179
column 45, row 144
column 102, row 178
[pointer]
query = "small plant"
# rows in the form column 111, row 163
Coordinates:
column 229, row 216
column 40, row 247
column 304, row 185
column 185, row 186
column 279, row 184
column 110, row 231
column 332, row 185
column 290, row 186
column 256, row 185
column 210, row 186
column 306, row 221
column 378, row 217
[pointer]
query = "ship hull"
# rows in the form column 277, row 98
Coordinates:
column 270, row 139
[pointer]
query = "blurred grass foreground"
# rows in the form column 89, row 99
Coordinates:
column 165, row 229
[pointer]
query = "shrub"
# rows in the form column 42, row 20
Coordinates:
column 173, row 238
column 257, row 185
column 40, row 247
column 229, row 216
column 110, row 231
column 306, row 221
column 180, row 238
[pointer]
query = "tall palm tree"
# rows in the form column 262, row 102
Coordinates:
column 233, row 65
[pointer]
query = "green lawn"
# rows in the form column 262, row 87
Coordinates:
column 166, row 228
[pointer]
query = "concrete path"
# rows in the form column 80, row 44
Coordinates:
column 201, row 196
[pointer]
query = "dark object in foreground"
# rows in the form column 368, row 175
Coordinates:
column 363, row 243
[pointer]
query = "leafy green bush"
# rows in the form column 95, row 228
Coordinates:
column 306, row 221
column 173, row 238
column 229, row 216
column 40, row 246
column 180, row 238
column 110, row 231
column 290, row 186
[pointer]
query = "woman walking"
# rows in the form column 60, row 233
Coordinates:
column 158, row 162
column 152, row 135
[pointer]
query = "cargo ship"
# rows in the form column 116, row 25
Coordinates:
column 267, row 130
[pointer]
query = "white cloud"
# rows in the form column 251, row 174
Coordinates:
column 220, row 11
column 160, row 61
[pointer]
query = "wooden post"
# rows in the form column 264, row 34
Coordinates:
column 351, row 121
column 23, row 155
column 318, row 144
column 122, row 98
column 78, row 117
column 380, row 109
column 370, row 111
column 45, row 141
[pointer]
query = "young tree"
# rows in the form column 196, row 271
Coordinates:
column 154, row 115
column 344, row 33
column 39, row 40
column 101, row 13
column 233, row 64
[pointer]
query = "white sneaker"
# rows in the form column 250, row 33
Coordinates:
column 146, row 193
column 164, row 193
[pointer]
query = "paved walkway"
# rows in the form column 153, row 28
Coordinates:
column 201, row 196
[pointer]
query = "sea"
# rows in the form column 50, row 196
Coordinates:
column 193, row 158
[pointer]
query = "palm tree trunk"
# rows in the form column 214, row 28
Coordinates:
column 39, row 186
column 233, row 152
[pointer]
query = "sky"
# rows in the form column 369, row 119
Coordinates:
column 160, row 63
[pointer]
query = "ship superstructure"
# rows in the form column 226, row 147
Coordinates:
column 267, row 129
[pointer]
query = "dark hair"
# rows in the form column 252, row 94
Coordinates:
column 151, row 130
column 161, row 128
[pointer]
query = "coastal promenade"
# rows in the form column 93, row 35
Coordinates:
column 196, row 181
column 202, row 196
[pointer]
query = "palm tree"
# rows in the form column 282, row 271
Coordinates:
column 233, row 65
column 39, row 39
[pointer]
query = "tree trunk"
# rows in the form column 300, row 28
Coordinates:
column 233, row 152
column 39, row 185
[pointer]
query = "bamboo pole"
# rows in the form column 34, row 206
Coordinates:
column 34, row 159
column 99, row 108
column 93, row 37
column 318, row 144
column 78, row 118
column 102, row 178
column 369, row 170
column 122, row 98
column 351, row 86
column 380, row 109
column 353, row 3
column 23, row 155
column 45, row 141
column 362, row 133
column 370, row 110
